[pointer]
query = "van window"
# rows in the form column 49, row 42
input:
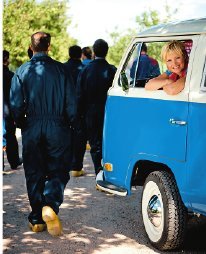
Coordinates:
column 130, row 61
column 144, row 62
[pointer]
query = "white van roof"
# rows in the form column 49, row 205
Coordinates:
column 186, row 27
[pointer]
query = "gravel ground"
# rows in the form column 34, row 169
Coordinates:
column 93, row 222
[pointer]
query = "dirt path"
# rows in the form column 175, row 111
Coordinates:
column 93, row 222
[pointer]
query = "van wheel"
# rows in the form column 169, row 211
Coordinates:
column 163, row 212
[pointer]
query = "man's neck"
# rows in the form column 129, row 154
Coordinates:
column 40, row 52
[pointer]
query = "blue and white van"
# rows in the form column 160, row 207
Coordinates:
column 158, row 141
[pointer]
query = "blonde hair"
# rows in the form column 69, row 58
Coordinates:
column 174, row 46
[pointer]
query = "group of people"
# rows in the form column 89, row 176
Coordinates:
column 78, row 58
column 59, row 107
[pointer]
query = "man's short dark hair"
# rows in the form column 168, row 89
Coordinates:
column 100, row 48
column 87, row 52
column 5, row 55
column 75, row 52
column 40, row 41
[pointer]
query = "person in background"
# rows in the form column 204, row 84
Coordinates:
column 81, row 143
column 173, row 80
column 93, row 83
column 4, row 140
column 12, row 148
column 86, row 55
column 43, row 104
column 74, row 66
column 148, row 67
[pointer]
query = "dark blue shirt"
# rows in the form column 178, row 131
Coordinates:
column 40, row 88
column 93, row 83
column 147, row 68
column 74, row 66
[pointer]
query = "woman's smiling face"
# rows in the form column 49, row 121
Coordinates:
column 175, row 62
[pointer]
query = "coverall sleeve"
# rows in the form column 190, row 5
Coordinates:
column 81, row 94
column 17, row 101
column 70, row 100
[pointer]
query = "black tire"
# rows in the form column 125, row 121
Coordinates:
column 163, row 212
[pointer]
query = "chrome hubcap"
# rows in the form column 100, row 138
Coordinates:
column 154, row 211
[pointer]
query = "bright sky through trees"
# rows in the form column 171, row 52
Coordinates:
column 98, row 18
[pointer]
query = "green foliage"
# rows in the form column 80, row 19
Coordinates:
column 145, row 20
column 120, row 44
column 148, row 19
column 154, row 51
column 22, row 18
column 151, row 18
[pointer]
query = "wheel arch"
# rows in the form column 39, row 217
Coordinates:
column 143, row 168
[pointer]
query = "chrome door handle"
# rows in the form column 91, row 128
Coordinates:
column 177, row 122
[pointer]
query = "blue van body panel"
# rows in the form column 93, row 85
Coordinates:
column 147, row 134
column 148, row 130
column 196, row 162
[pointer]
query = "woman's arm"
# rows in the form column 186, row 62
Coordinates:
column 158, row 82
column 175, row 87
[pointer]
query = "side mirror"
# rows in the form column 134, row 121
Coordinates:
column 124, row 81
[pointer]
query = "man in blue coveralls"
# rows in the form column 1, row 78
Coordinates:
column 148, row 67
column 43, row 104
column 12, row 148
column 74, row 66
column 93, row 83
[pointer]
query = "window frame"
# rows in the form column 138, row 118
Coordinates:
column 203, row 80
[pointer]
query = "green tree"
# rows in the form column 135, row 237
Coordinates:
column 120, row 44
column 22, row 18
column 151, row 18
column 144, row 21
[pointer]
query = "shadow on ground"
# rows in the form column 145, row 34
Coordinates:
column 93, row 222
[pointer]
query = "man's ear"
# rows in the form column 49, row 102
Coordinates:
column 31, row 48
column 49, row 48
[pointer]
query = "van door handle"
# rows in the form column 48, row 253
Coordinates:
column 177, row 122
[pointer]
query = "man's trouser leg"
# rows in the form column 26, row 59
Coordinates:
column 95, row 141
column 79, row 146
column 46, row 169
column 12, row 149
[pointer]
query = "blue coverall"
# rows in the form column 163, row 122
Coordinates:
column 12, row 149
column 92, row 86
column 42, row 100
column 73, row 67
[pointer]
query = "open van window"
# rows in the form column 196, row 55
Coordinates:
column 144, row 63
column 125, row 72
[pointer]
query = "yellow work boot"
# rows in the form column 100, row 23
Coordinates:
column 54, row 226
column 37, row 227
column 88, row 147
column 75, row 173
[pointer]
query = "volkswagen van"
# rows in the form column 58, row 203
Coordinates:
column 156, row 140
